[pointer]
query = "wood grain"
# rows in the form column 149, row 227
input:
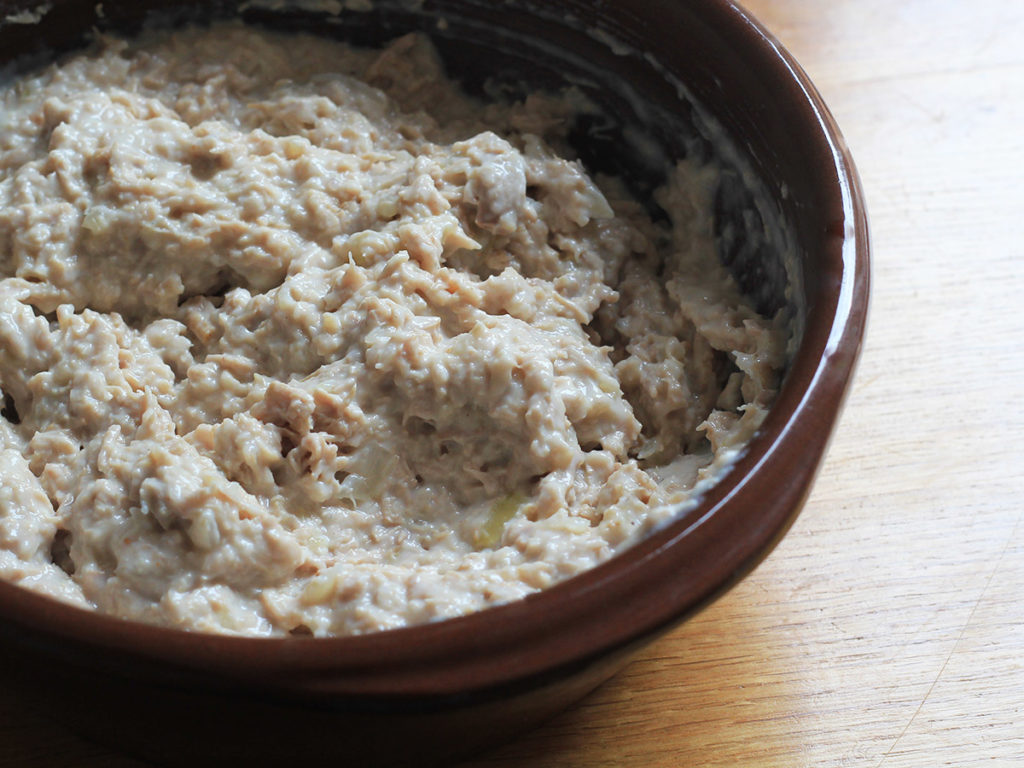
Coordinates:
column 887, row 629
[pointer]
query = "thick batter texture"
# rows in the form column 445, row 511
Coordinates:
column 296, row 338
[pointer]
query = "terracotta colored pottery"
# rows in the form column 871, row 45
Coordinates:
column 426, row 694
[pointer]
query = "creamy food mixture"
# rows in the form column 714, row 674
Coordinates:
column 297, row 338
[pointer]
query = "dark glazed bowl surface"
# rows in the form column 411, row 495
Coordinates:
column 425, row 694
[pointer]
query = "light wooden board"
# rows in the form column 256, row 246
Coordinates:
column 887, row 629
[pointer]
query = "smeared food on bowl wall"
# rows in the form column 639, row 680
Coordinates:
column 298, row 338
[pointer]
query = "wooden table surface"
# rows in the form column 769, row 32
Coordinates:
column 887, row 629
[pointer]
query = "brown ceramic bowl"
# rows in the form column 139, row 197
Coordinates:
column 425, row 694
